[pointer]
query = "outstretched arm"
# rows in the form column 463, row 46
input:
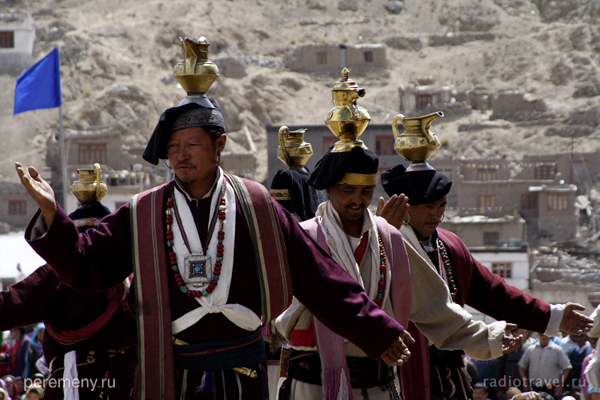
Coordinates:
column 39, row 190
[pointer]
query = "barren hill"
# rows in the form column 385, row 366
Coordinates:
column 117, row 58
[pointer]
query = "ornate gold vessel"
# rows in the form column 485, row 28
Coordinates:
column 196, row 73
column 347, row 120
column 417, row 143
column 89, row 188
column 293, row 150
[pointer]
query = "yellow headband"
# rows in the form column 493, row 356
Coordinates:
column 359, row 179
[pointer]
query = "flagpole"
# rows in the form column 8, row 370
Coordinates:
column 63, row 159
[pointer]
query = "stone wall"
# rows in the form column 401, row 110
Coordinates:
column 517, row 106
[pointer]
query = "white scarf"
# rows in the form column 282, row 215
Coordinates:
column 216, row 301
column 341, row 251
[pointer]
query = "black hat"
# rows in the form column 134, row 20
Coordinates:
column 88, row 215
column 291, row 189
column 358, row 166
column 421, row 187
column 183, row 116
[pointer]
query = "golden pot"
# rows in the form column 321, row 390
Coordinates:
column 417, row 143
column 89, row 188
column 293, row 150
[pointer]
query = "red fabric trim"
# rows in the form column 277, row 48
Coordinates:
column 265, row 222
column 360, row 251
column 114, row 301
column 304, row 338
column 156, row 377
column 415, row 374
column 67, row 338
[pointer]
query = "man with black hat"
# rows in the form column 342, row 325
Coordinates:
column 90, row 338
column 322, row 363
column 469, row 281
column 214, row 259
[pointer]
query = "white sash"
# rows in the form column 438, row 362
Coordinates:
column 343, row 254
column 217, row 301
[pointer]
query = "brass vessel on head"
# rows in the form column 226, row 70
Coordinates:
column 347, row 120
column 196, row 73
column 89, row 188
column 293, row 150
column 417, row 143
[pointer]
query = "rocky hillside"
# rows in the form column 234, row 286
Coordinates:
column 117, row 57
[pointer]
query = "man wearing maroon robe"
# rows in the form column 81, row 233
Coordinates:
column 97, row 328
column 246, row 289
column 469, row 281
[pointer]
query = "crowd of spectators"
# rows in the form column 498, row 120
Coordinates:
column 552, row 367
column 22, row 364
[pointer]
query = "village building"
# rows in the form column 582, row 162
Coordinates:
column 17, row 36
column 331, row 58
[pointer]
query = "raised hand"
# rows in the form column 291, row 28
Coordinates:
column 398, row 353
column 39, row 190
column 574, row 322
column 394, row 210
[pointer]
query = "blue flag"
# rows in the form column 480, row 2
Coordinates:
column 39, row 86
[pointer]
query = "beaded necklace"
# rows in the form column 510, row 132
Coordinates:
column 199, row 265
column 447, row 268
column 383, row 271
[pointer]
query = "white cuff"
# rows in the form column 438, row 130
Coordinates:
column 39, row 229
column 496, row 331
column 557, row 311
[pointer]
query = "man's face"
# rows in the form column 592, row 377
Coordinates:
column 193, row 154
column 479, row 394
column 579, row 339
column 544, row 340
column 425, row 218
column 350, row 201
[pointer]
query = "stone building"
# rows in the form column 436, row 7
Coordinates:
column 330, row 58
column 533, row 188
column 16, row 206
column 17, row 36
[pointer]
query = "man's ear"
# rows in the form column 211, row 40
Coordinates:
column 220, row 143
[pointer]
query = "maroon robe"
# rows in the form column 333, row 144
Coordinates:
column 101, row 258
column 485, row 291
column 43, row 297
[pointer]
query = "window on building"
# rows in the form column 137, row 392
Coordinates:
column 503, row 270
column 558, row 201
column 328, row 141
column 321, row 57
column 529, row 201
column 90, row 153
column 486, row 174
column 491, row 238
column 17, row 207
column 368, row 56
column 487, row 200
column 424, row 101
column 384, row 145
column 545, row 170
column 7, row 39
